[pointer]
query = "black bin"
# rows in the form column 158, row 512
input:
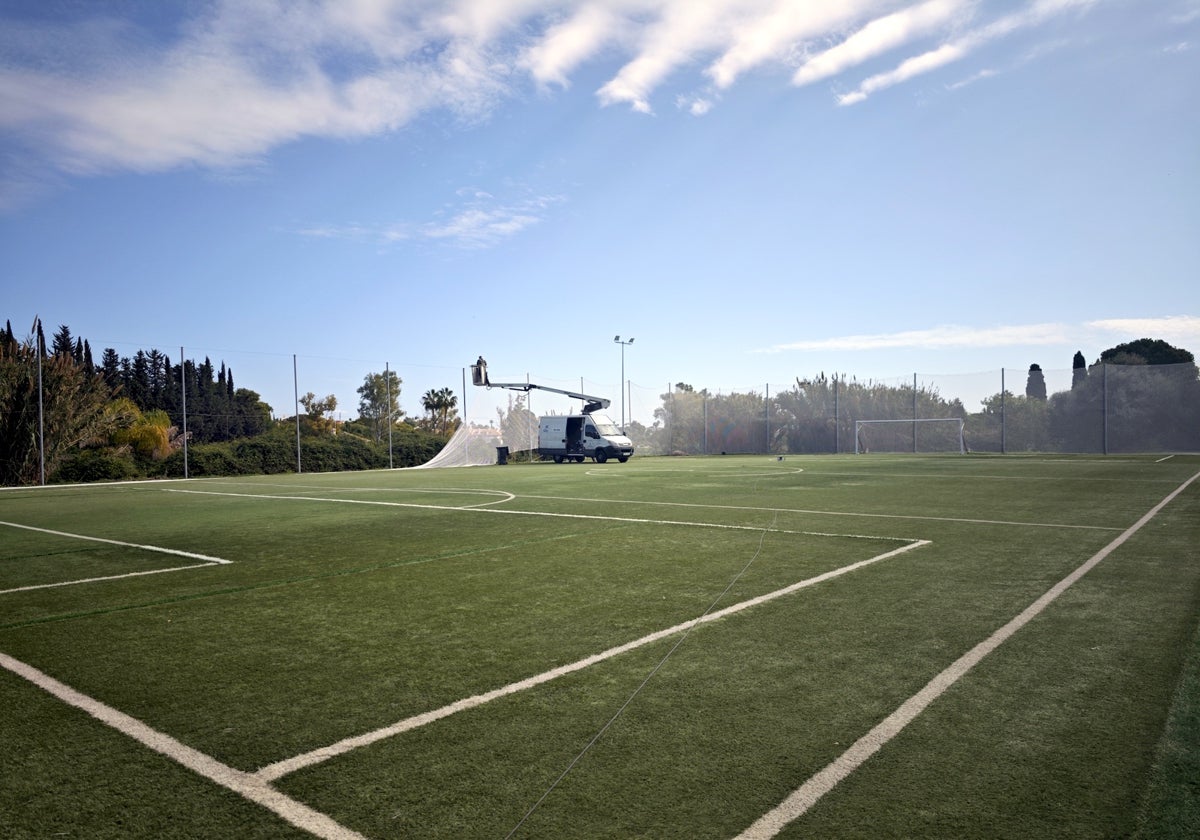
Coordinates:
column 501, row 454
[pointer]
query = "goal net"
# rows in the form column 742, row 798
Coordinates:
column 923, row 435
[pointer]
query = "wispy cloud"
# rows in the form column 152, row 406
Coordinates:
column 1181, row 328
column 1036, row 13
column 226, row 82
column 879, row 36
column 476, row 219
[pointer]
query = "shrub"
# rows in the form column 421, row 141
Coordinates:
column 95, row 465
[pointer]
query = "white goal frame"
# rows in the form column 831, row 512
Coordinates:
column 962, row 444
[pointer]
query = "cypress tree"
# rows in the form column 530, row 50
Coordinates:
column 1035, row 385
column 1078, row 370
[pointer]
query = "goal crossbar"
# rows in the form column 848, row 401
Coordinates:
column 858, row 424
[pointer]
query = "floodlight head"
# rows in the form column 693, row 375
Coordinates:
column 616, row 338
column 631, row 341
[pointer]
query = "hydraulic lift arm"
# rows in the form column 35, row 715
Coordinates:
column 479, row 376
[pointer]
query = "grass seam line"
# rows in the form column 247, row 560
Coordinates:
column 290, row 765
column 807, row 795
column 806, row 512
column 245, row 784
column 683, row 637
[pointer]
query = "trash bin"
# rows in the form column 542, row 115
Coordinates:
column 501, row 454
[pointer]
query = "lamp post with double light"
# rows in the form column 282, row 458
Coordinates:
column 618, row 340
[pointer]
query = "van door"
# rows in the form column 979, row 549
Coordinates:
column 591, row 435
column 574, row 435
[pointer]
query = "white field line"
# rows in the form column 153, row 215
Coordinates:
column 247, row 785
column 207, row 561
column 105, row 577
column 822, row 513
column 159, row 549
column 479, row 509
column 290, row 765
column 807, row 795
column 1167, row 458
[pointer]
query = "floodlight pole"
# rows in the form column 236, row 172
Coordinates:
column 618, row 340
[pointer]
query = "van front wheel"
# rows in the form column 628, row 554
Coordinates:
column 601, row 456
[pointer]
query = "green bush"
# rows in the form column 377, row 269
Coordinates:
column 269, row 453
column 96, row 465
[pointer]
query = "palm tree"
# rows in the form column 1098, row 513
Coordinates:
column 447, row 402
column 439, row 404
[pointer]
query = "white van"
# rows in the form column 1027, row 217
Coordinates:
column 573, row 437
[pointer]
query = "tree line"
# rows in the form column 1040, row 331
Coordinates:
column 64, row 417
column 1139, row 396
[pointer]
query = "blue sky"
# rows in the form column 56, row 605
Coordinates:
column 755, row 191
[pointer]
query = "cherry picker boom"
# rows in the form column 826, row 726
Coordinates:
column 569, row 437
column 479, row 376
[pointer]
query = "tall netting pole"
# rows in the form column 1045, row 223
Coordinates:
column 837, row 422
column 1003, row 451
column 183, row 402
column 40, row 349
column 387, row 380
column 914, row 414
column 1104, row 405
column 296, row 407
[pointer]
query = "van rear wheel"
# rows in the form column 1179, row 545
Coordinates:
column 558, row 459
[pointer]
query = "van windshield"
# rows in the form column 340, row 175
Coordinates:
column 604, row 425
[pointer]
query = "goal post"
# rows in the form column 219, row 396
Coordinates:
column 923, row 434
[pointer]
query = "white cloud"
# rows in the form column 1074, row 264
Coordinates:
column 909, row 68
column 682, row 30
column 1037, row 12
column 879, row 36
column 1175, row 328
column 772, row 34
column 566, row 45
column 233, row 80
column 479, row 221
column 986, row 73
column 938, row 338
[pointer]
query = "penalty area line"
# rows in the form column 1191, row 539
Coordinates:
column 206, row 559
column 156, row 548
column 587, row 516
column 804, row 797
column 245, row 784
column 299, row 762
column 106, row 577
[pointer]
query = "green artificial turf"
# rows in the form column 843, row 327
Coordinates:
column 353, row 601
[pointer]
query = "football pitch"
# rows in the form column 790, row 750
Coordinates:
column 835, row 646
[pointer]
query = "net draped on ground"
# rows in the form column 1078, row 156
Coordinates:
column 475, row 446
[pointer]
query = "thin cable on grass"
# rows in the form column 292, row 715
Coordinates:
column 595, row 738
